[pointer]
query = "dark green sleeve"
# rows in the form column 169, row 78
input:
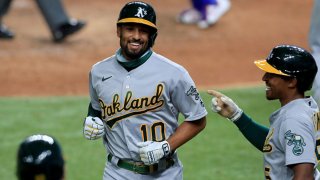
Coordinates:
column 92, row 112
column 252, row 131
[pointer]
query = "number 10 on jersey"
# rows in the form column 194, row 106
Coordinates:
column 153, row 132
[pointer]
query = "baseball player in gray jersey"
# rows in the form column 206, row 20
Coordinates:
column 136, row 98
column 314, row 43
column 290, row 145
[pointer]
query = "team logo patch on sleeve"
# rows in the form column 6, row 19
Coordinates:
column 297, row 141
column 193, row 92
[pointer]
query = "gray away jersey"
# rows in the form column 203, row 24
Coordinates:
column 143, row 104
column 292, row 138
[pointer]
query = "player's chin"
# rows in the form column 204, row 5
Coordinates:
column 270, row 96
column 135, row 54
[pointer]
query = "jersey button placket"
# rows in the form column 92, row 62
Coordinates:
column 127, row 82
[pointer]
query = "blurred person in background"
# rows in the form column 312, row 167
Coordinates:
column 204, row 13
column 314, row 43
column 40, row 158
column 60, row 24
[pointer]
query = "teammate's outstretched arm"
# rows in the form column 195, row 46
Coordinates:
column 226, row 107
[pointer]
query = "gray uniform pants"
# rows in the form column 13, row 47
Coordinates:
column 314, row 43
column 52, row 10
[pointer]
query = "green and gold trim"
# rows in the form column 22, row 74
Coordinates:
column 137, row 20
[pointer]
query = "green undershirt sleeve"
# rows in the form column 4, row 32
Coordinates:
column 92, row 112
column 252, row 131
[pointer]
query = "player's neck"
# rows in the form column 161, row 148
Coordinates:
column 130, row 65
column 290, row 97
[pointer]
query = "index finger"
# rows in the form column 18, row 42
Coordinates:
column 215, row 93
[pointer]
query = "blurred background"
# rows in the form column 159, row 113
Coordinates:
column 219, row 55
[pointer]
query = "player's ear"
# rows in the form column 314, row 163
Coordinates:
column 293, row 83
column 118, row 31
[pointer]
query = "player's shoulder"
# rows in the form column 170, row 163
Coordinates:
column 102, row 63
column 302, row 104
column 167, row 63
column 300, row 109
